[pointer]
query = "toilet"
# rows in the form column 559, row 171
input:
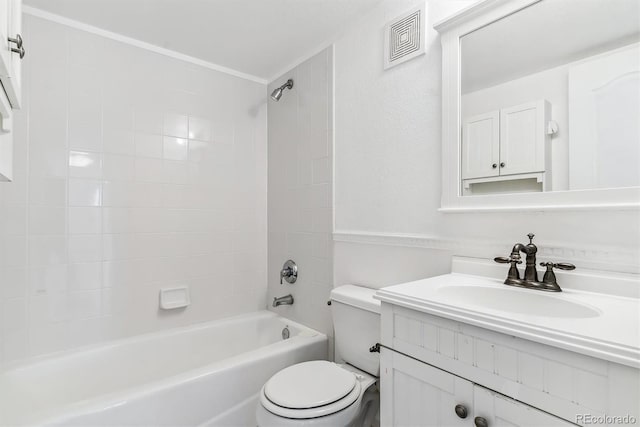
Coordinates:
column 322, row 393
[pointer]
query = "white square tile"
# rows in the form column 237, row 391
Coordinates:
column 84, row 220
column 118, row 194
column 321, row 170
column 223, row 132
column 14, row 314
column 199, row 129
column 148, row 145
column 85, row 248
column 199, row 151
column 118, row 167
column 148, row 121
column 85, row 192
column 116, row 220
column 149, row 170
column 47, row 220
column 85, row 304
column 176, row 125
column 85, row 137
column 13, row 221
column 118, row 117
column 14, row 283
column 175, row 172
column 118, row 141
column 45, row 191
column 47, row 250
column 175, row 148
column 84, row 164
column 48, row 280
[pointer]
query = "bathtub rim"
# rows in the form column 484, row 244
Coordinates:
column 9, row 367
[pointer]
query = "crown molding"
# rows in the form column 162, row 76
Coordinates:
column 72, row 23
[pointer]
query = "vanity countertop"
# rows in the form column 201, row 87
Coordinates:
column 600, row 325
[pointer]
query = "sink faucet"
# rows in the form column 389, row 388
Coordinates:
column 530, row 280
column 530, row 272
column 285, row 300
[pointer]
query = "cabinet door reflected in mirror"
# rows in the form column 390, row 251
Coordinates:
column 550, row 99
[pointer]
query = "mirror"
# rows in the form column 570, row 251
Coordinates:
column 550, row 99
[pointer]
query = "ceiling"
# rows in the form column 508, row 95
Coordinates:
column 257, row 37
column 548, row 34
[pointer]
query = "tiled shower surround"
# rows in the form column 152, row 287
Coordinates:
column 134, row 172
column 301, row 190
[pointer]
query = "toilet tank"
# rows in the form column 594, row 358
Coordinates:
column 356, row 322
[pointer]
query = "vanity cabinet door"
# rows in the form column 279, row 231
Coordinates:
column 500, row 411
column 522, row 138
column 416, row 394
column 481, row 146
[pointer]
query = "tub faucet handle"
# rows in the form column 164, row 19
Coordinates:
column 289, row 272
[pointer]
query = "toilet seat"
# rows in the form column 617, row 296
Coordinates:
column 310, row 390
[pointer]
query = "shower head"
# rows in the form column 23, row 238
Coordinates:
column 277, row 94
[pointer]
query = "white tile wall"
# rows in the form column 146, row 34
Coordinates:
column 300, row 190
column 134, row 171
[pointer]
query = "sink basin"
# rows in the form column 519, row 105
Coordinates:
column 510, row 300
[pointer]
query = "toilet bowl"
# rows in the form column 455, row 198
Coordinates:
column 318, row 393
column 323, row 393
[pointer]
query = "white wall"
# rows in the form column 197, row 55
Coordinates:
column 388, row 175
column 300, row 190
column 84, row 250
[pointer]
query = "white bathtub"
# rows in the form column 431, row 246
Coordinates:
column 204, row 375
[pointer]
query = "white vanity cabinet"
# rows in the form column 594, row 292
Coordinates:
column 510, row 143
column 438, row 363
column 417, row 394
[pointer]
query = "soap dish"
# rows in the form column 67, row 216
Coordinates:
column 172, row 298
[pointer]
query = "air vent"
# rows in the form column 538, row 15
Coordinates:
column 404, row 38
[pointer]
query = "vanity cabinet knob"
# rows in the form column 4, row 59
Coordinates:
column 495, row 165
column 461, row 411
column 480, row 422
column 502, row 164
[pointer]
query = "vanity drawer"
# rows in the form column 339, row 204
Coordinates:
column 557, row 381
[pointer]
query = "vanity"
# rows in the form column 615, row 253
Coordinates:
column 539, row 113
column 465, row 349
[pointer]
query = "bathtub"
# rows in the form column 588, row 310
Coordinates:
column 208, row 374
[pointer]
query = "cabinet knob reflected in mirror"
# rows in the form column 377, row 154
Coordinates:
column 480, row 422
column 461, row 411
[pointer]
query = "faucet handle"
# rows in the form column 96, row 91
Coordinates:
column 507, row 260
column 558, row 265
column 531, row 236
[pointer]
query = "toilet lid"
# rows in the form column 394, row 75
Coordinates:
column 309, row 385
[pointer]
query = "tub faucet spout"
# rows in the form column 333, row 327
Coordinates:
column 285, row 300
